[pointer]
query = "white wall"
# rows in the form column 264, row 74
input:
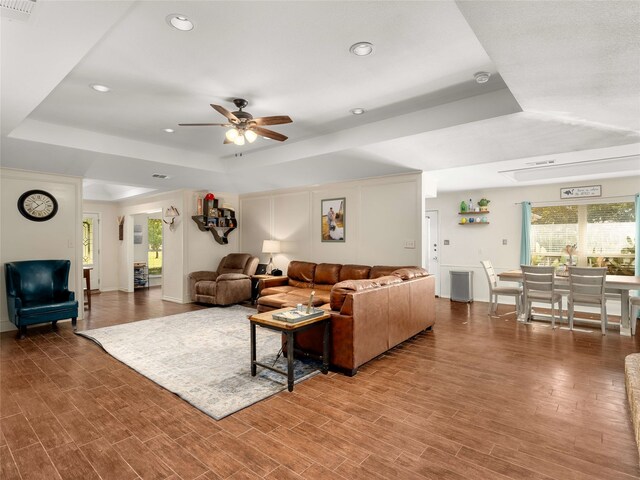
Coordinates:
column 57, row 238
column 108, row 241
column 469, row 244
column 381, row 215
column 202, row 252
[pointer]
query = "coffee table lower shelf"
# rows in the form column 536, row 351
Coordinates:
column 266, row 320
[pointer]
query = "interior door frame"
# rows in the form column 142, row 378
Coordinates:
column 96, row 281
column 430, row 214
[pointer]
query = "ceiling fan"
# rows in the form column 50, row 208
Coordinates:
column 243, row 125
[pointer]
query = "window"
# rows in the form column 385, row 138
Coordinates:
column 154, row 256
column 87, row 241
column 603, row 232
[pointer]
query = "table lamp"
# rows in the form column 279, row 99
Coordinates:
column 270, row 247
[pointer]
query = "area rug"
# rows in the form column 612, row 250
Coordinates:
column 204, row 357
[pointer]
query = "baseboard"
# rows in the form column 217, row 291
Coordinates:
column 172, row 299
column 7, row 326
column 109, row 289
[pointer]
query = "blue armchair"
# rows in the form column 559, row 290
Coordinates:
column 38, row 292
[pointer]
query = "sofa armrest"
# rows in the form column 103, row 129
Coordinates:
column 195, row 277
column 226, row 277
column 341, row 290
column 272, row 282
column 203, row 275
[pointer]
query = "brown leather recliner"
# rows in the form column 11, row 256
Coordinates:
column 230, row 283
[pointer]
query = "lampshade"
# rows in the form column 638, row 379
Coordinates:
column 250, row 135
column 239, row 140
column 231, row 134
column 271, row 246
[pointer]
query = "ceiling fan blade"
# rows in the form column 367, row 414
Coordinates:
column 268, row 133
column 226, row 141
column 276, row 120
column 225, row 112
column 205, row 125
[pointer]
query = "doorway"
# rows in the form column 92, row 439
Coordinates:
column 432, row 246
column 91, row 247
column 147, row 250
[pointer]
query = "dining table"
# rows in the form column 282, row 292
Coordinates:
column 616, row 284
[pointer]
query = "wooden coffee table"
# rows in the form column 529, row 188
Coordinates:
column 266, row 320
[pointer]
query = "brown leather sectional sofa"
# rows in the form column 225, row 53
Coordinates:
column 372, row 308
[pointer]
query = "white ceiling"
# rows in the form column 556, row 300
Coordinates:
column 565, row 83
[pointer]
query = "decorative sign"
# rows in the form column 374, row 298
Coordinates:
column 578, row 192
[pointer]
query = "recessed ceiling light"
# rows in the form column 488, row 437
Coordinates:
column 168, row 130
column 100, row 88
column 361, row 49
column 357, row 111
column 179, row 22
column 482, row 77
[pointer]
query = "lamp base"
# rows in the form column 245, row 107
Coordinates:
column 270, row 266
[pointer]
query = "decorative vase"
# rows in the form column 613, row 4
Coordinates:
column 463, row 206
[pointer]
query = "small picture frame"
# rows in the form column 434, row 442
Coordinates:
column 332, row 219
column 222, row 222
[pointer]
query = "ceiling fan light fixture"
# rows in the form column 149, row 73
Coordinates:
column 179, row 22
column 357, row 111
column 232, row 134
column 482, row 77
column 361, row 49
column 250, row 135
column 239, row 140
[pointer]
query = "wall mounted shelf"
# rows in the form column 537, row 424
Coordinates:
column 220, row 221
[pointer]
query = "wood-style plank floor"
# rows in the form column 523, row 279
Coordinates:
column 477, row 398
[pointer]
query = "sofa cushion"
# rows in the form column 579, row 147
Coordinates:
column 283, row 300
column 340, row 291
column 354, row 272
column 381, row 271
column 326, row 276
column 407, row 273
column 303, row 295
column 301, row 274
column 273, row 301
column 276, row 290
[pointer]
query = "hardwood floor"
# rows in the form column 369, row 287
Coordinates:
column 477, row 398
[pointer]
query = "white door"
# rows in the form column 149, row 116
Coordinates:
column 432, row 246
column 91, row 247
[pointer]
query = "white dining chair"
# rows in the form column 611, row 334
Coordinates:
column 587, row 287
column 634, row 307
column 495, row 290
column 539, row 287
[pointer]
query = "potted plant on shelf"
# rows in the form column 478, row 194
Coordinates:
column 483, row 203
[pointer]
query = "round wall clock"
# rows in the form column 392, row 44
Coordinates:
column 37, row 205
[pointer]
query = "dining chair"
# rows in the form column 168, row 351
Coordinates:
column 634, row 309
column 495, row 290
column 587, row 287
column 539, row 287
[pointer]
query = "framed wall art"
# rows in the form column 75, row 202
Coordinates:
column 332, row 221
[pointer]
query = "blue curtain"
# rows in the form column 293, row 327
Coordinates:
column 525, row 240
